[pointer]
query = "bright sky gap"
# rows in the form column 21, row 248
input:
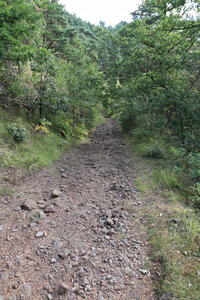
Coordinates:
column 111, row 12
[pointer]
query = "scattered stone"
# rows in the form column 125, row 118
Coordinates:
column 33, row 224
column 108, row 276
column 81, row 272
column 166, row 296
column 18, row 259
column 125, row 241
column 176, row 221
column 85, row 281
column 64, row 254
column 26, row 289
column 118, row 263
column 127, row 270
column 49, row 209
column 62, row 289
column 1, row 298
column 17, row 208
column 144, row 272
column 105, row 230
column 109, row 214
column 42, row 214
column 88, row 288
column 109, row 222
column 122, row 287
column 185, row 253
column 1, row 227
column 12, row 298
column 76, row 290
column 39, row 234
column 29, row 205
column 56, row 193
column 82, row 252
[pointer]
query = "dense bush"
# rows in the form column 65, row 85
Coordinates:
column 194, row 166
column 18, row 132
column 156, row 152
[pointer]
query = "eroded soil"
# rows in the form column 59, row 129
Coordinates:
column 92, row 245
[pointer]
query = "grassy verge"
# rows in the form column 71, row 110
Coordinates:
column 173, row 226
column 37, row 151
column 99, row 116
column 43, row 144
column 6, row 191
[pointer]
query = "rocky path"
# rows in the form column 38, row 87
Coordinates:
column 84, row 240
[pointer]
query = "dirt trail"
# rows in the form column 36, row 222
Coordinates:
column 92, row 245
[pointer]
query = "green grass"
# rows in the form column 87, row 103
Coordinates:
column 37, row 151
column 99, row 118
column 143, row 183
column 146, row 147
column 166, row 178
column 6, row 191
column 174, row 248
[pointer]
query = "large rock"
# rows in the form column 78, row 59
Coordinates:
column 29, row 205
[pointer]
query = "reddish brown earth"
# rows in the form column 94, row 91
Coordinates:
column 92, row 246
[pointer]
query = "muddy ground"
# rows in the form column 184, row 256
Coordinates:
column 79, row 235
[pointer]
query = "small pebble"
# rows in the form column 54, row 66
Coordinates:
column 143, row 271
column 82, row 252
column 39, row 234
column 56, row 193
column 62, row 289
column 64, row 254
column 42, row 214
column 33, row 224
column 53, row 260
